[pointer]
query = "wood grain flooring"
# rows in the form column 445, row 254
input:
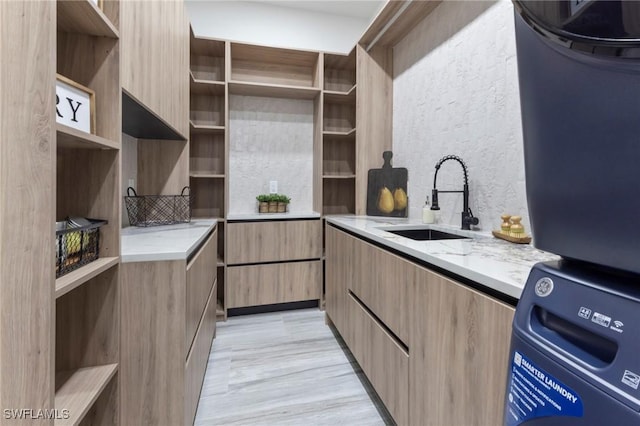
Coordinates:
column 284, row 368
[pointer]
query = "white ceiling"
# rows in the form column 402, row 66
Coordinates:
column 360, row 9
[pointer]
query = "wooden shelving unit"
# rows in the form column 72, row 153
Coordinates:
column 76, row 278
column 272, row 90
column 339, row 134
column 208, row 140
column 88, row 185
column 77, row 390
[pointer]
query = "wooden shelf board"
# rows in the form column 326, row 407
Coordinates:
column 200, row 175
column 219, row 308
column 349, row 176
column 333, row 97
column 205, row 87
column 84, row 17
column 68, row 137
column 77, row 390
column 220, row 261
column 76, row 278
column 199, row 127
column 272, row 90
column 345, row 134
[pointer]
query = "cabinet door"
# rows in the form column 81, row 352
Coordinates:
column 382, row 281
column 201, row 275
column 459, row 352
column 339, row 270
column 273, row 241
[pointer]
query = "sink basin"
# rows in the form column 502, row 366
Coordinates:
column 426, row 234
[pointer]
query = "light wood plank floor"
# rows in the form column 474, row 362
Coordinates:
column 284, row 368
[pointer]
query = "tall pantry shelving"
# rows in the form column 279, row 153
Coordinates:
column 88, row 185
column 222, row 68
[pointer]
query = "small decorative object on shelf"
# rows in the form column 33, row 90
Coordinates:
column 512, row 230
column 272, row 203
column 75, row 105
column 153, row 210
column 77, row 243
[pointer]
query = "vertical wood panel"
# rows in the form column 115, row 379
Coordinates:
column 163, row 166
column 27, row 199
column 155, row 58
column 374, row 105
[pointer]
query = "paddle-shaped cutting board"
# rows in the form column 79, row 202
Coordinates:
column 393, row 179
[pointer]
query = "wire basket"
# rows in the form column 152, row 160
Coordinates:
column 154, row 210
column 77, row 244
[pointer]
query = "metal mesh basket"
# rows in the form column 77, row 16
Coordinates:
column 76, row 245
column 153, row 210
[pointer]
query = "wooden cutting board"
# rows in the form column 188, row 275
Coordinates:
column 393, row 179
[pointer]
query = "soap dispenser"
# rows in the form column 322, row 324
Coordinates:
column 428, row 215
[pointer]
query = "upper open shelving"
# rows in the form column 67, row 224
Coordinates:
column 272, row 90
column 207, row 59
column 84, row 17
column 68, row 137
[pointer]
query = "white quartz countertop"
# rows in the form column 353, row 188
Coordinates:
column 273, row 216
column 494, row 263
column 168, row 242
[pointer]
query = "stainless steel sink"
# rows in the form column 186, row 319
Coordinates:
column 421, row 234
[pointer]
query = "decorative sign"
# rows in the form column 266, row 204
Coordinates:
column 75, row 105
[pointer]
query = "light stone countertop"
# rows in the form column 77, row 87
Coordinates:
column 274, row 216
column 166, row 242
column 491, row 262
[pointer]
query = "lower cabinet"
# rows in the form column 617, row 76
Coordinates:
column 273, row 261
column 168, row 323
column 446, row 365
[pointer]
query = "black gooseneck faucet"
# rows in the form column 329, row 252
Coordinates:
column 467, row 216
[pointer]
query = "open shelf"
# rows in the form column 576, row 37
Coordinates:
column 348, row 97
column 207, row 59
column 272, row 90
column 339, row 72
column 206, row 110
column 208, row 198
column 68, row 137
column 199, row 175
column 346, row 134
column 207, row 154
column 205, row 87
column 346, row 176
column 76, row 278
column 338, row 157
column 339, row 117
column 338, row 196
column 77, row 390
column 201, row 127
column 220, row 261
column 84, row 17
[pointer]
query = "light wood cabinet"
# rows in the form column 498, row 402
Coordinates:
column 273, row 241
column 163, row 356
column 459, row 354
column 435, row 350
column 155, row 59
column 255, row 285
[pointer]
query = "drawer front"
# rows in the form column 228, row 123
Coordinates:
column 382, row 359
column 273, row 241
column 382, row 281
column 196, row 364
column 255, row 285
column 201, row 275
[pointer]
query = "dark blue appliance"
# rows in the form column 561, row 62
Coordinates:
column 575, row 357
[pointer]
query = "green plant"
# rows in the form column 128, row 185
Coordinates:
column 284, row 199
column 264, row 198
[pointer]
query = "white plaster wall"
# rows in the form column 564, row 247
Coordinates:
column 456, row 92
column 277, row 26
column 270, row 139
column 129, row 169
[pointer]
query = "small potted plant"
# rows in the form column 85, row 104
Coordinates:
column 283, row 202
column 263, row 203
column 273, row 203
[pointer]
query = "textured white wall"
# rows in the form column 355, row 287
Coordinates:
column 271, row 25
column 270, row 139
column 456, row 92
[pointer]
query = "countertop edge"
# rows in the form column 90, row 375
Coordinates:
column 173, row 255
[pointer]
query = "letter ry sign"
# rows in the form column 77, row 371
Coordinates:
column 75, row 105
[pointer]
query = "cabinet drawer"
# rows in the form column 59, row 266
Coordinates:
column 254, row 285
column 201, row 274
column 196, row 364
column 382, row 359
column 382, row 282
column 272, row 241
